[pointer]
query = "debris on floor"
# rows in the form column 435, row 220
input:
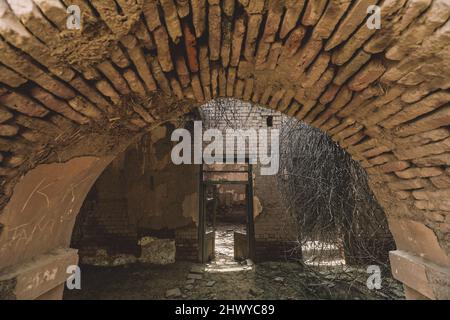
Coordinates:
column 197, row 269
column 210, row 283
column 194, row 276
column 225, row 278
column 229, row 281
column 173, row 293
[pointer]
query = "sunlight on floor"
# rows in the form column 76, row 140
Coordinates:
column 224, row 251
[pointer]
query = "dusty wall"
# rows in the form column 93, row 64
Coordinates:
column 160, row 194
column 139, row 194
column 232, row 203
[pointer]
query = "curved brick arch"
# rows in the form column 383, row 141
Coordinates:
column 381, row 94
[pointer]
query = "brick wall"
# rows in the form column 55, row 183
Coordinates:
column 139, row 194
column 235, row 115
column 275, row 236
column 103, row 221
column 186, row 242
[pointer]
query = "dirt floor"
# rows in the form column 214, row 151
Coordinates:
column 227, row 279
column 269, row 280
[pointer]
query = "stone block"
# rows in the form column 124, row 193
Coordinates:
column 37, row 276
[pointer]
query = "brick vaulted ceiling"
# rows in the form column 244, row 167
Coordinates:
column 381, row 94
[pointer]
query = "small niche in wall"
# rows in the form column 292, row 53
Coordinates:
column 269, row 121
column 1, row 228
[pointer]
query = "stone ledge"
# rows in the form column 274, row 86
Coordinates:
column 415, row 237
column 422, row 275
column 38, row 276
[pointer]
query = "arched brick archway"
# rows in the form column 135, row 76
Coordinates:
column 71, row 99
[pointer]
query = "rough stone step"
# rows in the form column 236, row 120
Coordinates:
column 195, row 276
column 173, row 293
column 210, row 283
column 197, row 269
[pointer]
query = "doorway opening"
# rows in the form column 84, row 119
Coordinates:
column 226, row 227
column 227, row 215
